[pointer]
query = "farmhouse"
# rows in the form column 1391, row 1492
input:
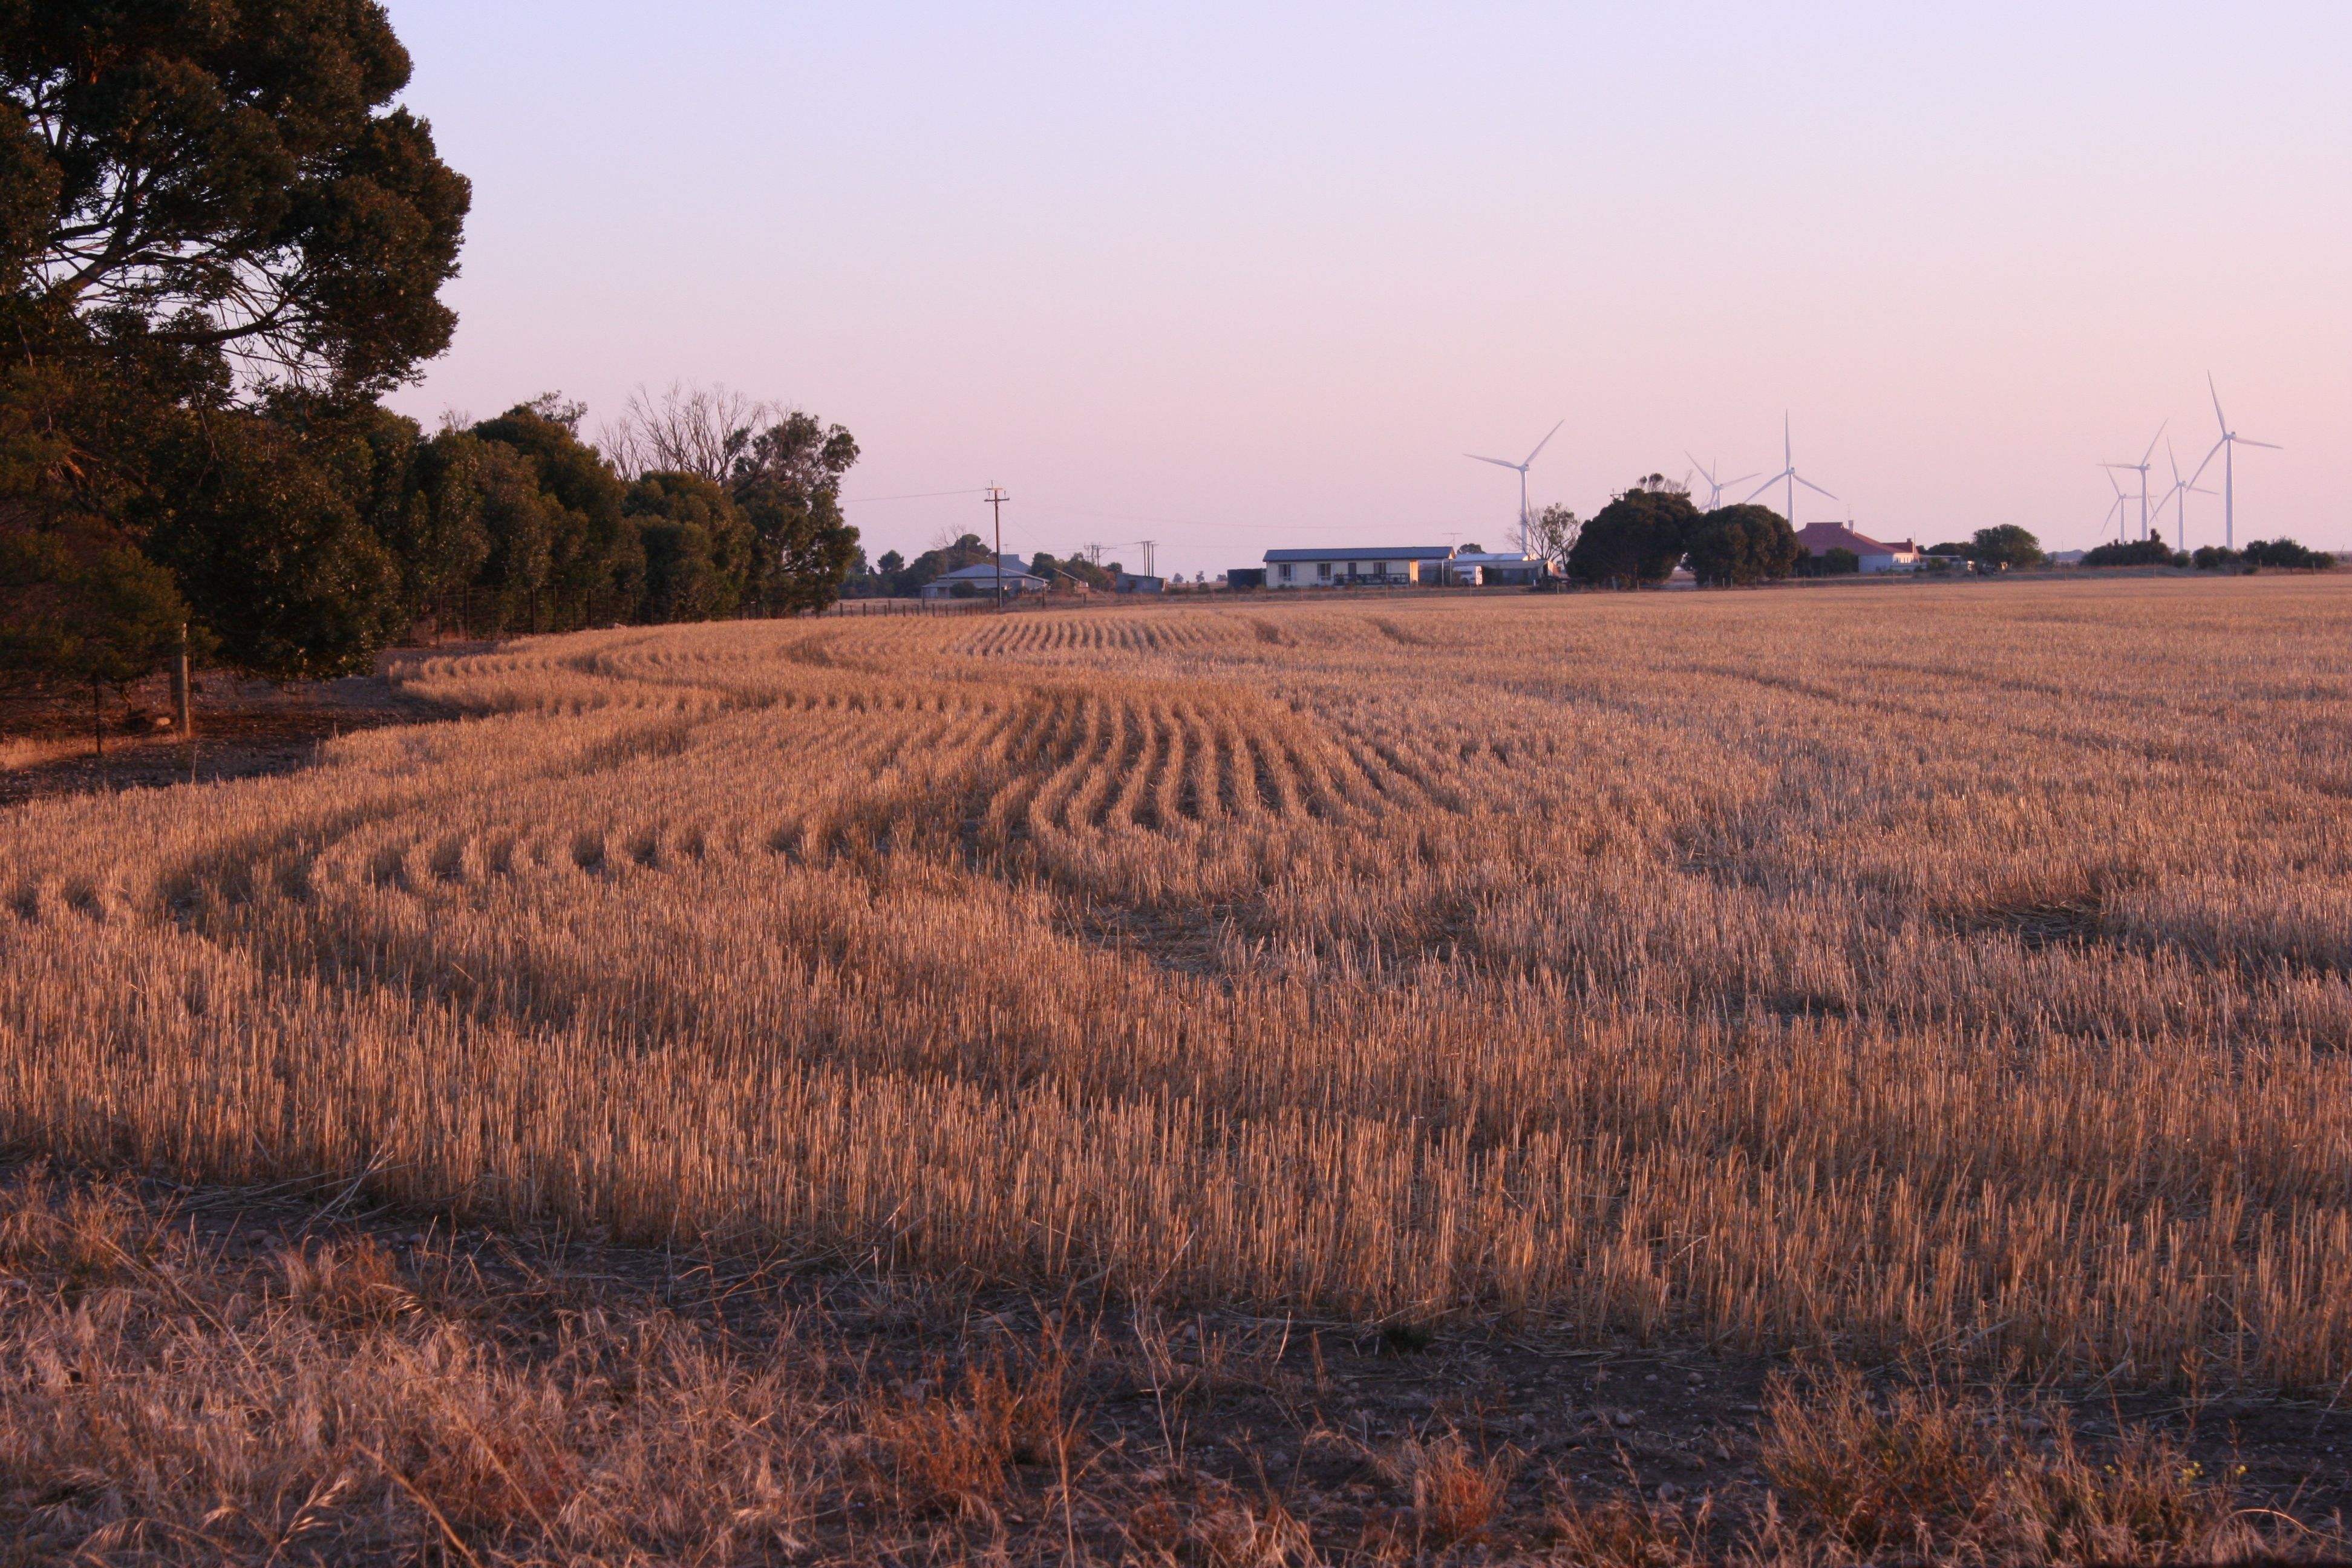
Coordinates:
column 1336, row 566
column 981, row 578
column 1821, row 538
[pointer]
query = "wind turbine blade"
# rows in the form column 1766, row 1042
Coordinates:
column 1700, row 467
column 2152, row 441
column 2173, row 458
column 1767, row 485
column 1498, row 462
column 2208, row 459
column 1740, row 481
column 2266, row 446
column 1546, row 441
column 1788, row 453
column 2219, row 417
column 1811, row 486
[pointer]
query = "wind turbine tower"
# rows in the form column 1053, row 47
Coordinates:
column 2116, row 508
column 1789, row 476
column 2179, row 495
column 1522, row 469
column 2227, row 449
column 2141, row 469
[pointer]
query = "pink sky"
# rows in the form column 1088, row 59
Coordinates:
column 1232, row 276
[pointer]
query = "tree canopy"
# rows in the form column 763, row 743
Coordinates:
column 2286, row 555
column 1736, row 545
column 787, row 480
column 1635, row 541
column 222, row 240
column 76, row 603
column 2005, row 545
column 1555, row 532
column 2134, row 552
column 223, row 185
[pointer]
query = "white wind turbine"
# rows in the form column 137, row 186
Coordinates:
column 2179, row 495
column 2226, row 449
column 1789, row 474
column 2141, row 469
column 2116, row 513
column 1522, row 468
column 1713, row 485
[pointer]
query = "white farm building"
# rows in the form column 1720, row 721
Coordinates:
column 1345, row 566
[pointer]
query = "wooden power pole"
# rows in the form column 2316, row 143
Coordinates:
column 184, row 706
column 996, row 499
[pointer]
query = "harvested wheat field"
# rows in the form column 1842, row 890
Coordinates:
column 1957, row 978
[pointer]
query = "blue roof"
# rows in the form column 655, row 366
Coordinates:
column 1365, row 553
column 984, row 572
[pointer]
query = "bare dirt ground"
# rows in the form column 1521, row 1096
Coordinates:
column 243, row 728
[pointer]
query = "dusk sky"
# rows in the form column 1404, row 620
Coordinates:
column 1238, row 276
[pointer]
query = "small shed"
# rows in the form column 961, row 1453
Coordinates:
column 981, row 580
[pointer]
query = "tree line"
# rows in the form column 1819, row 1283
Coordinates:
column 221, row 245
column 1653, row 527
column 2280, row 555
column 892, row 575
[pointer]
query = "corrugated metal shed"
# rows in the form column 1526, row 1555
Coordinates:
column 1368, row 552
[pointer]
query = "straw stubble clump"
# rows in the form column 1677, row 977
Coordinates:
column 1958, row 971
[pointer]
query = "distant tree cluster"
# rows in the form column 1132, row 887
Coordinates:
column 2280, row 555
column 2000, row 548
column 895, row 576
column 1638, row 540
column 2134, row 552
column 1075, row 571
column 220, row 245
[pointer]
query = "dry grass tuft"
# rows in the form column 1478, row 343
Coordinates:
column 1921, row 1474
column 1457, row 1491
column 1635, row 1530
column 88, row 1233
column 1219, row 1528
column 956, row 1450
column 346, row 1284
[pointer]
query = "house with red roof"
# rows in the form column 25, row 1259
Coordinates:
column 1821, row 538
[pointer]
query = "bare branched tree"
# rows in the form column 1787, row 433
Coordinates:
column 1554, row 535
column 686, row 429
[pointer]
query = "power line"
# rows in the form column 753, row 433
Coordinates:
column 919, row 495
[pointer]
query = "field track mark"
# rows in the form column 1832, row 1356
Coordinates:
column 1170, row 800
column 1277, row 796
column 1123, row 785
column 1031, row 757
column 1199, row 796
column 1051, row 808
